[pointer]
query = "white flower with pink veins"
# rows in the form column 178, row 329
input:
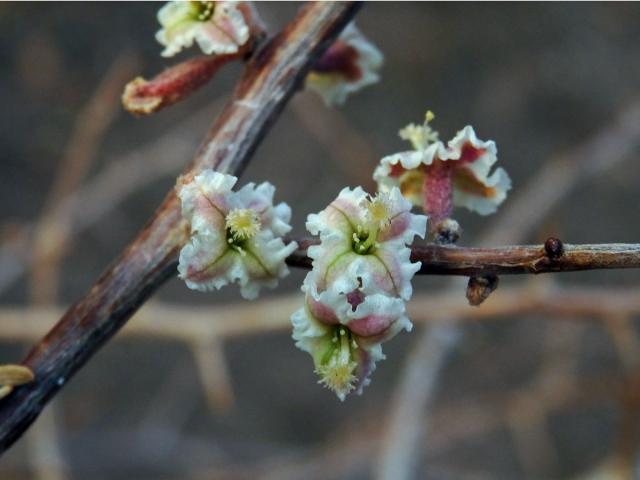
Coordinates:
column 235, row 236
column 217, row 27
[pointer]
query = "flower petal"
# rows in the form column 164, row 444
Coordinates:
column 206, row 201
column 349, row 65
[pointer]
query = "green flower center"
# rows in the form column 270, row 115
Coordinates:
column 364, row 241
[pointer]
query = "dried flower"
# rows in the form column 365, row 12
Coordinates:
column 235, row 236
column 217, row 27
column 437, row 177
column 347, row 66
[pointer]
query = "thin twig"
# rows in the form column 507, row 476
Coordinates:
column 510, row 260
column 158, row 320
column 271, row 77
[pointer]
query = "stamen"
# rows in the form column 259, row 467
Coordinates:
column 420, row 136
column 337, row 374
column 242, row 224
column 378, row 210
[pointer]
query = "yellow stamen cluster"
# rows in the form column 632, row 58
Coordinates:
column 420, row 136
column 242, row 224
column 337, row 373
column 378, row 210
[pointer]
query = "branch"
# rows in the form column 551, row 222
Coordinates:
column 270, row 79
column 511, row 260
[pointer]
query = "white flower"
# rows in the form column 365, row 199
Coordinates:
column 347, row 66
column 369, row 231
column 235, row 236
column 466, row 163
column 343, row 327
column 217, row 27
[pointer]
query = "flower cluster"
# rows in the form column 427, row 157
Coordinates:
column 235, row 235
column 438, row 177
column 355, row 294
column 347, row 66
column 217, row 27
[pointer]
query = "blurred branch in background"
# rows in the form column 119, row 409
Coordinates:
column 200, row 324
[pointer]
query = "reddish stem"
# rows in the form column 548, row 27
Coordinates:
column 438, row 192
column 143, row 97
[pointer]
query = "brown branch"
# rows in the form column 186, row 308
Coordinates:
column 271, row 77
column 516, row 259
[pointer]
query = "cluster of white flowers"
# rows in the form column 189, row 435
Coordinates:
column 355, row 294
column 235, row 235
column 224, row 27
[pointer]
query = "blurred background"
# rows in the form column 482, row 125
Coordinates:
column 541, row 381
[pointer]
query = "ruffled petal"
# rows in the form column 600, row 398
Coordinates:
column 341, row 216
column 263, row 259
column 229, row 19
column 474, row 187
column 222, row 33
column 206, row 200
column 403, row 224
column 260, row 199
column 206, row 261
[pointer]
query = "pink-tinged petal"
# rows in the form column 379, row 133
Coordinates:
column 206, row 200
column 204, row 262
column 406, row 170
column 212, row 40
column 229, row 19
column 342, row 215
column 263, row 263
column 395, row 260
column 480, row 195
column 403, row 224
column 220, row 30
column 474, row 187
